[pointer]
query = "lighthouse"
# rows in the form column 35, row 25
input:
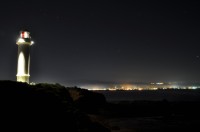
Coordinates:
column 24, row 43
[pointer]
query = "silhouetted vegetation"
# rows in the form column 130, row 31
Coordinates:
column 153, row 116
column 54, row 107
column 84, row 100
column 42, row 107
column 153, row 108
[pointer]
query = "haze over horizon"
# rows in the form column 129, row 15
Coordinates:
column 103, row 42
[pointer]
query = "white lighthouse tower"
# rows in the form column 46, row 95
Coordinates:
column 24, row 43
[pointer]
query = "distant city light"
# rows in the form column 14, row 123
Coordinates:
column 160, row 83
column 192, row 87
column 150, row 86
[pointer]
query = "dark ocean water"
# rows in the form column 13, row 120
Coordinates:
column 153, row 95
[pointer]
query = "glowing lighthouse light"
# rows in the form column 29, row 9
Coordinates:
column 23, row 67
column 25, row 34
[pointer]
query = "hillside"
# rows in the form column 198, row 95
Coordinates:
column 52, row 107
column 48, row 107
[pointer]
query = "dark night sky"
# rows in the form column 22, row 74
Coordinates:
column 103, row 42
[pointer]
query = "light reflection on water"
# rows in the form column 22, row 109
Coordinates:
column 156, row 95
